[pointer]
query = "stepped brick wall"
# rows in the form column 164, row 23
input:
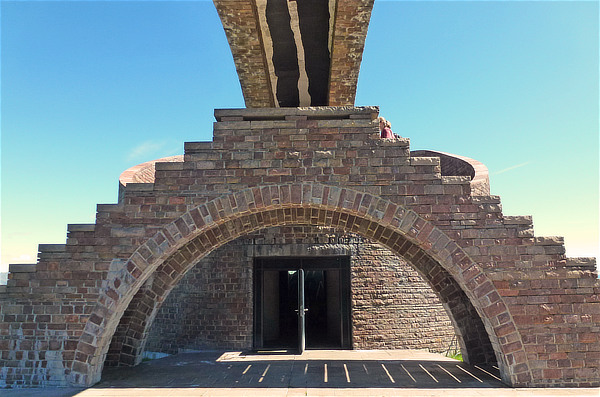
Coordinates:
column 513, row 297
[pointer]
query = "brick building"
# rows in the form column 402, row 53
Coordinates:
column 286, row 200
column 513, row 298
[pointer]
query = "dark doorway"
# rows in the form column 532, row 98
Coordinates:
column 302, row 302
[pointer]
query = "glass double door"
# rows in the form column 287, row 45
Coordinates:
column 302, row 303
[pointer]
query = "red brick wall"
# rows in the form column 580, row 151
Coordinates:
column 392, row 306
column 512, row 296
column 211, row 307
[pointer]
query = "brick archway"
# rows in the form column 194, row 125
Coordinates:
column 198, row 232
column 129, row 340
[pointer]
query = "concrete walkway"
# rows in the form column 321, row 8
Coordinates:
column 314, row 373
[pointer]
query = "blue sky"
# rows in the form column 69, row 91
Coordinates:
column 92, row 88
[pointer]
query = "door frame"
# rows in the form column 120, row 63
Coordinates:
column 289, row 263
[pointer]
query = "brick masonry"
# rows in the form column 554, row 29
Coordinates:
column 392, row 306
column 512, row 297
column 242, row 28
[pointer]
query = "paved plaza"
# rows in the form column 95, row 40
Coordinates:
column 314, row 373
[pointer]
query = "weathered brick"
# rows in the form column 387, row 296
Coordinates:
column 329, row 170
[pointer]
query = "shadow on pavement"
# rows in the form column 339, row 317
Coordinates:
column 205, row 370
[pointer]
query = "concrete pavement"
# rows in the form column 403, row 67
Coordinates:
column 314, row 373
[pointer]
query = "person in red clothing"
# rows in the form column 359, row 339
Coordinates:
column 386, row 128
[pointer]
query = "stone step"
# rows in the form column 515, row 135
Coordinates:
column 139, row 187
column 486, row 199
column 22, row 268
column 425, row 161
column 51, row 248
column 550, row 240
column 109, row 207
column 81, row 227
column 583, row 263
column 456, row 180
column 193, row 147
column 518, row 220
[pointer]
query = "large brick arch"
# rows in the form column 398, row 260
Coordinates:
column 164, row 259
column 130, row 337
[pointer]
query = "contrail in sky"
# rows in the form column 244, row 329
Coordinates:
column 511, row 168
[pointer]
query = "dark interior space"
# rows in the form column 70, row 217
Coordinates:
column 277, row 300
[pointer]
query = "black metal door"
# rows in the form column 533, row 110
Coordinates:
column 302, row 302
